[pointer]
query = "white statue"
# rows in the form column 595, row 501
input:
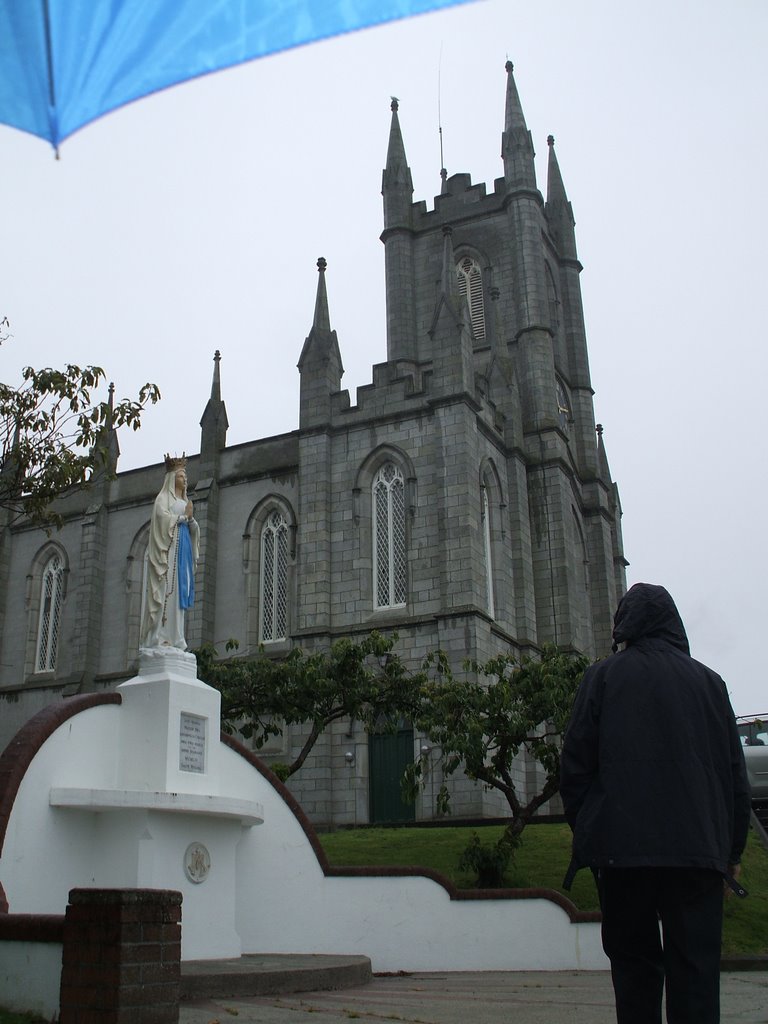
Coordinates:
column 174, row 546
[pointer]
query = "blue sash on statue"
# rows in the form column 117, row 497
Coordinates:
column 186, row 567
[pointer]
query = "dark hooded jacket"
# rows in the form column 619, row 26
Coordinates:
column 652, row 770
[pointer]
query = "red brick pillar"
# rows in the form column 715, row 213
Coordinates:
column 122, row 957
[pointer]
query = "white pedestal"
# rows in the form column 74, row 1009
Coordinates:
column 163, row 816
column 169, row 727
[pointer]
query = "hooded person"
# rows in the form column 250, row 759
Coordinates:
column 172, row 553
column 655, row 790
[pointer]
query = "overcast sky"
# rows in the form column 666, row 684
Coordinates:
column 193, row 220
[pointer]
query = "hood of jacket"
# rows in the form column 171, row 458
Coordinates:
column 647, row 610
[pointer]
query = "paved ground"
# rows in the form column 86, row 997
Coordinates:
column 563, row 997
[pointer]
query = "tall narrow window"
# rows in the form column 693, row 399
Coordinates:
column 554, row 302
column 51, row 596
column 470, row 279
column 144, row 563
column 389, row 553
column 274, row 579
column 487, row 551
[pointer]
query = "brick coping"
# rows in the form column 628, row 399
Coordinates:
column 20, row 752
column 575, row 915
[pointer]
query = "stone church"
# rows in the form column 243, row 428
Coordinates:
column 462, row 499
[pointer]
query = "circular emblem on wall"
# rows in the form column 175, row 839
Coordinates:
column 197, row 863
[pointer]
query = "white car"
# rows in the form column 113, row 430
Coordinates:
column 754, row 738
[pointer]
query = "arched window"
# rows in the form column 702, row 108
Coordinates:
column 488, row 552
column 51, row 597
column 389, row 544
column 583, row 637
column 495, row 552
column 470, row 280
column 135, row 594
column 144, row 574
column 269, row 563
column 273, row 583
column 563, row 405
column 552, row 299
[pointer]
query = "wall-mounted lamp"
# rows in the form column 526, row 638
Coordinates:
column 349, row 757
column 425, row 750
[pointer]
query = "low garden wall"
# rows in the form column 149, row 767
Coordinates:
column 30, row 962
column 114, row 956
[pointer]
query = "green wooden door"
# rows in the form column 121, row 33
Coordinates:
column 389, row 754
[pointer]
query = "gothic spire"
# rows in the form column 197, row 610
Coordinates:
column 107, row 446
column 397, row 171
column 396, row 181
column 558, row 209
column 322, row 318
column 516, row 143
column 555, row 186
column 321, row 344
column 216, row 382
column 452, row 362
column 214, row 422
column 449, row 285
column 11, row 467
column 602, row 458
column 513, row 108
column 320, row 363
column 448, row 297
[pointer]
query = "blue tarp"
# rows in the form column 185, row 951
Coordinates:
column 63, row 63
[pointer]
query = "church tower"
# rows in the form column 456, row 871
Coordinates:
column 484, row 302
column 464, row 499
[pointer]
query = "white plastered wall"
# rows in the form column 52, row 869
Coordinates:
column 266, row 890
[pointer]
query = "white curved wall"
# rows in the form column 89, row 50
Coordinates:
column 266, row 891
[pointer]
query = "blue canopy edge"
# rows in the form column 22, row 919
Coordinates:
column 64, row 63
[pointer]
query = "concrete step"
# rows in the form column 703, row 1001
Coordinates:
column 262, row 974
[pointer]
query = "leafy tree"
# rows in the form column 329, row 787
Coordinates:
column 52, row 434
column 259, row 696
column 482, row 723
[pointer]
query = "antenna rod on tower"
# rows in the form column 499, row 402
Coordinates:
column 443, row 172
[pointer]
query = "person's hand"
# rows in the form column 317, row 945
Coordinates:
column 734, row 870
column 188, row 510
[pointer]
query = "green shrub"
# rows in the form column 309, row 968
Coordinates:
column 488, row 862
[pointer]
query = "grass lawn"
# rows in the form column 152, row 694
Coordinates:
column 541, row 862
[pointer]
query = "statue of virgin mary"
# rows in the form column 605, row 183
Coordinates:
column 174, row 546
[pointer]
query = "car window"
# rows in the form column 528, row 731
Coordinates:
column 753, row 734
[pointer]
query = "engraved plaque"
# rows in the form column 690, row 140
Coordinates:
column 192, row 743
column 197, row 862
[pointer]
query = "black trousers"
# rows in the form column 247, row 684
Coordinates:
column 684, row 953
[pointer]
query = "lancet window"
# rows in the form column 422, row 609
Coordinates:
column 51, row 597
column 488, row 552
column 273, row 604
column 552, row 299
column 470, row 280
column 144, row 578
column 389, row 541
